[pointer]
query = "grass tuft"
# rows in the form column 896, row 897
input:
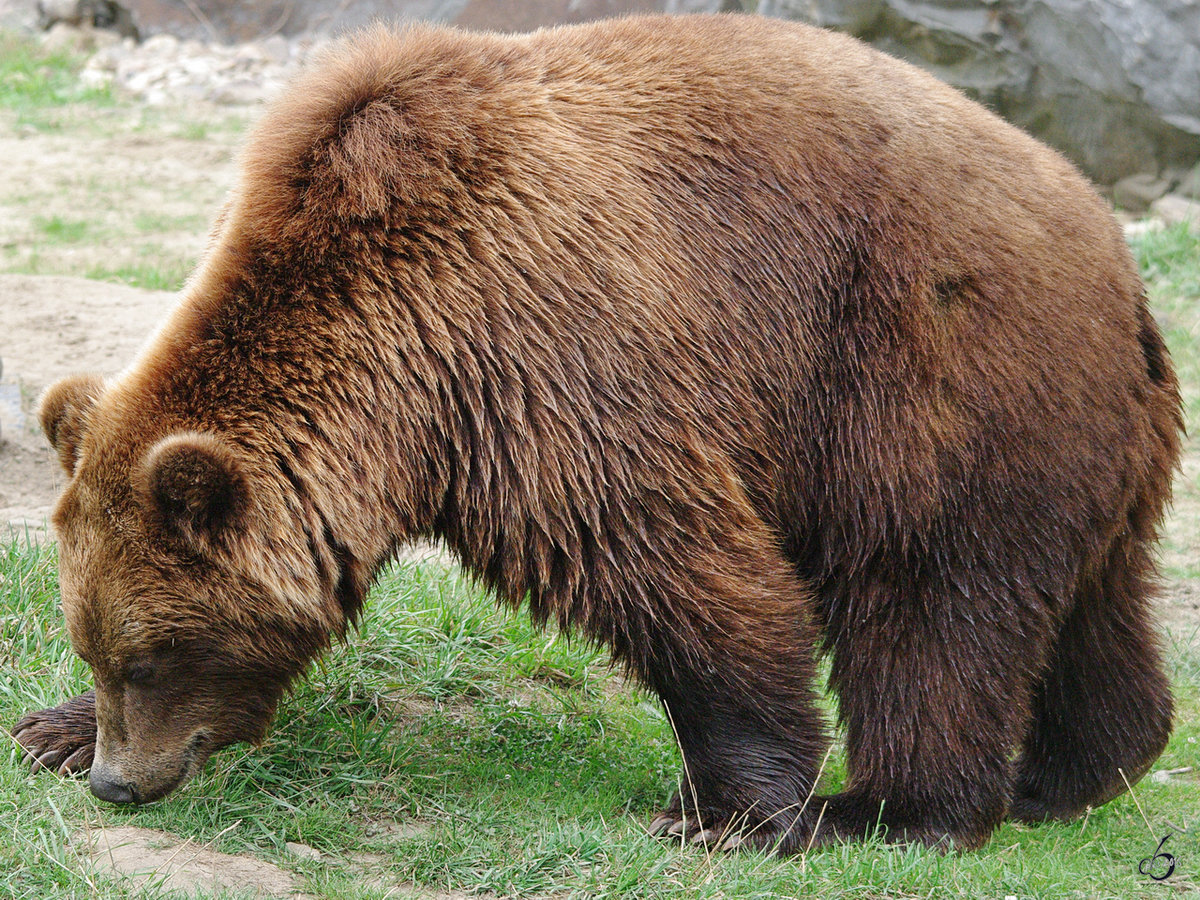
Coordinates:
column 35, row 82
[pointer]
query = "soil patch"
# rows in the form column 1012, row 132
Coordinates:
column 155, row 859
column 54, row 327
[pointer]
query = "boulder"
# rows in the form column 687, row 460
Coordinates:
column 1114, row 84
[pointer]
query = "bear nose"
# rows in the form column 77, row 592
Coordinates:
column 107, row 788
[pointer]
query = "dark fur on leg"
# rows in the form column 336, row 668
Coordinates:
column 727, row 646
column 930, row 728
column 1103, row 713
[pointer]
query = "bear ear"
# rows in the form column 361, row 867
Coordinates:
column 193, row 487
column 63, row 413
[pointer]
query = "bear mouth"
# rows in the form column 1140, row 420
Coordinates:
column 195, row 754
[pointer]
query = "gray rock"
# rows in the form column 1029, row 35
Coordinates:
column 164, row 70
column 78, row 39
column 1142, row 227
column 106, row 14
column 1114, row 84
column 302, row 851
column 19, row 15
column 1187, row 182
column 1136, row 193
column 1174, row 209
column 240, row 92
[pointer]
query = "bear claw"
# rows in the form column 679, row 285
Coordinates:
column 667, row 825
column 660, row 824
column 61, row 739
column 48, row 760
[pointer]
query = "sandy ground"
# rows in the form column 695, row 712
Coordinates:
column 112, row 192
column 54, row 326
column 145, row 858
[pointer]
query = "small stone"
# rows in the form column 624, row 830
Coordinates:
column 1137, row 192
column 238, row 92
column 193, row 47
column 303, row 851
column 161, row 45
column 1176, row 208
column 105, row 60
column 277, row 49
column 1142, row 227
column 249, row 56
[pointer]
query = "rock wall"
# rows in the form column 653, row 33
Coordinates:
column 1114, row 84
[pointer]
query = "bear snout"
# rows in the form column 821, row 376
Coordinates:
column 108, row 786
column 124, row 774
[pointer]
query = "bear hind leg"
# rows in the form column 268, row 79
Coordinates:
column 934, row 701
column 1102, row 714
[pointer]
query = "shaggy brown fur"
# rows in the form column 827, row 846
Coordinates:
column 720, row 339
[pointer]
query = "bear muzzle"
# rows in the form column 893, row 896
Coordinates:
column 123, row 777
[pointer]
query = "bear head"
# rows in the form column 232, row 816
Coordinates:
column 192, row 637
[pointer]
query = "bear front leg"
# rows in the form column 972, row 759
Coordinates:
column 719, row 626
column 62, row 738
column 749, row 767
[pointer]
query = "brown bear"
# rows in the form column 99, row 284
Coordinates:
column 725, row 341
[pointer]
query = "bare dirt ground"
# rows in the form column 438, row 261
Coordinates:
column 145, row 858
column 115, row 193
column 54, row 326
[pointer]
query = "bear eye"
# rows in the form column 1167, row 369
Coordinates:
column 139, row 674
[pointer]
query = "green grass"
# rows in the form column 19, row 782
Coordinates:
column 152, row 222
column 513, row 762
column 163, row 276
column 56, row 229
column 35, row 84
column 1170, row 263
column 449, row 744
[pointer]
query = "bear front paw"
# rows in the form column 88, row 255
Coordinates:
column 63, row 738
column 784, row 832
